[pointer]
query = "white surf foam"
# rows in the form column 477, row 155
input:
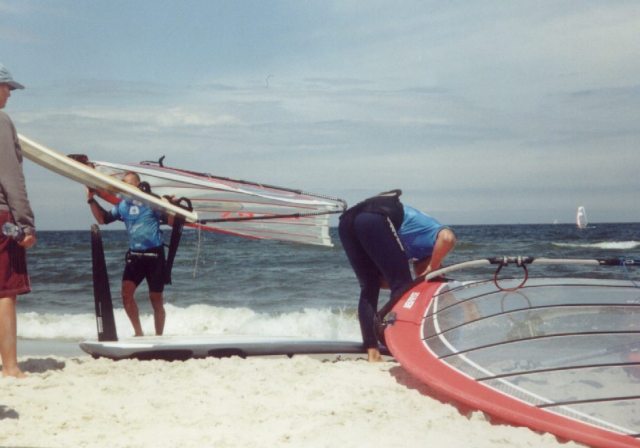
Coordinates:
column 198, row 320
column 611, row 245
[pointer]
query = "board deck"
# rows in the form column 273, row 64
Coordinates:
column 186, row 347
column 556, row 355
column 79, row 172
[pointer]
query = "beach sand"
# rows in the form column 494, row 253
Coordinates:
column 304, row 401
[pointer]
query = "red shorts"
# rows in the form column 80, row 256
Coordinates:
column 14, row 279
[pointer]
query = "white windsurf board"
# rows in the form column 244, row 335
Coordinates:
column 186, row 347
column 79, row 172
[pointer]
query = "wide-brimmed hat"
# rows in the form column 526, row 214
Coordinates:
column 6, row 78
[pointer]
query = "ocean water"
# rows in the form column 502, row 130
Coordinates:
column 223, row 284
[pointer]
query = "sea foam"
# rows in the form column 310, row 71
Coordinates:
column 607, row 245
column 194, row 320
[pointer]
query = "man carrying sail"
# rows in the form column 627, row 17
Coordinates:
column 145, row 258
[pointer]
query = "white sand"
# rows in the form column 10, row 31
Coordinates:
column 255, row 402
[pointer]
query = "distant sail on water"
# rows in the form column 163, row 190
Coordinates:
column 581, row 218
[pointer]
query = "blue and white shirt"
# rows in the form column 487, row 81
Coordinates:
column 142, row 223
column 418, row 233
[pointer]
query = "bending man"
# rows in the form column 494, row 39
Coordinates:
column 380, row 236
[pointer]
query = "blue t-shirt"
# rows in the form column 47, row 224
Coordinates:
column 142, row 223
column 418, row 233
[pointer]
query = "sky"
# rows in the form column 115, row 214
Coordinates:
column 482, row 112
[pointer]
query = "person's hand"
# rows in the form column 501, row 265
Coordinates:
column 28, row 241
column 90, row 193
column 422, row 267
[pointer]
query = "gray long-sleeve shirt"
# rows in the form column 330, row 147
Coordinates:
column 13, row 191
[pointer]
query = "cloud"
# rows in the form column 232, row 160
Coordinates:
column 15, row 35
column 474, row 109
column 11, row 32
column 337, row 82
column 13, row 8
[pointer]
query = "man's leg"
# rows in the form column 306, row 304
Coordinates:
column 381, row 242
column 154, row 272
column 159, row 314
column 130, row 305
column 369, row 280
column 8, row 338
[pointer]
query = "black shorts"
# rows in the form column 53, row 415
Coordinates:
column 147, row 264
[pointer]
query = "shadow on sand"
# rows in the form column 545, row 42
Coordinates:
column 41, row 365
column 7, row 412
column 406, row 379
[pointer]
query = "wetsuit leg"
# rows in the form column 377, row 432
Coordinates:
column 379, row 239
column 369, row 278
column 374, row 251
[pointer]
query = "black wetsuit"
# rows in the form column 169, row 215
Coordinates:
column 368, row 232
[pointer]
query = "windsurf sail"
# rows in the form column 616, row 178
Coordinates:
column 559, row 355
column 581, row 218
column 239, row 207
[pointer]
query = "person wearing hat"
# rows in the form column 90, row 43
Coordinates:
column 15, row 211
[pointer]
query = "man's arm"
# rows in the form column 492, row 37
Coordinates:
column 101, row 215
column 445, row 242
column 12, row 182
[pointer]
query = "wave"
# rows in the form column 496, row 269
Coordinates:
column 612, row 245
column 196, row 320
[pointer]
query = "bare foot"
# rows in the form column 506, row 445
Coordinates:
column 374, row 355
column 14, row 372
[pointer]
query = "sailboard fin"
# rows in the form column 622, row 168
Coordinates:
column 159, row 162
column 105, row 320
